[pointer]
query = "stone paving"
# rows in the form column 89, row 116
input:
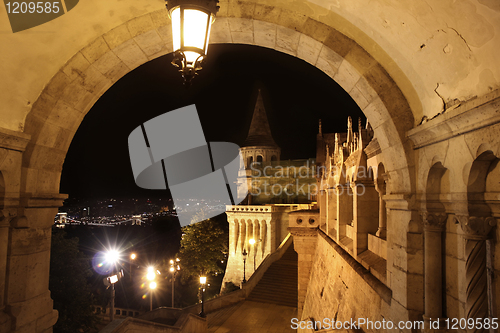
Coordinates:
column 251, row 317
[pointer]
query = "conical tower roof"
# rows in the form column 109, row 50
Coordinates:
column 259, row 133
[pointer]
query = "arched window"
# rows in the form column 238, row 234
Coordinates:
column 274, row 158
column 259, row 159
column 249, row 162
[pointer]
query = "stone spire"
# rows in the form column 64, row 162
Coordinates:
column 350, row 138
column 259, row 133
column 320, row 129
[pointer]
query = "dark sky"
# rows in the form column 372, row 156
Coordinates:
column 296, row 95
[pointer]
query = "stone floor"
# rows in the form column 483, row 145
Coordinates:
column 251, row 317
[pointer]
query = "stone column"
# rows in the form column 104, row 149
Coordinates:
column 365, row 201
column 304, row 243
column 434, row 226
column 380, row 186
column 344, row 208
column 263, row 237
column 476, row 232
column 331, row 215
column 4, row 238
column 234, row 233
column 242, row 237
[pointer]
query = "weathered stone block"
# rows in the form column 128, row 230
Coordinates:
column 150, row 42
column 117, row 36
column 57, row 84
column 242, row 37
column 220, row 32
column 308, row 49
column 243, row 9
column 130, row 53
column 317, row 30
column 160, row 18
column 140, row 25
column 240, row 24
column 346, row 76
column 76, row 66
column 287, row 39
column 95, row 50
column 266, row 13
column 265, row 34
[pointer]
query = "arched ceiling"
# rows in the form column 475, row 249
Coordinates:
column 437, row 52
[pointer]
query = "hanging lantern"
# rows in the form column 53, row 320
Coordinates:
column 191, row 23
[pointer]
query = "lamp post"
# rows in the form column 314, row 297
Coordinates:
column 191, row 23
column 244, row 254
column 151, row 276
column 152, row 286
column 132, row 258
column 173, row 271
column 203, row 281
column 112, row 257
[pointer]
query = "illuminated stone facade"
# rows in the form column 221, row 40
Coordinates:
column 425, row 74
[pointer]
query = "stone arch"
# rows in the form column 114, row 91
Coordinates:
column 480, row 230
column 483, row 174
column 274, row 158
column 260, row 159
column 435, row 237
column 438, row 183
column 61, row 106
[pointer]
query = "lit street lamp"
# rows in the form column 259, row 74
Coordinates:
column 132, row 258
column 191, row 23
column 151, row 276
column 203, row 281
column 111, row 258
column 173, row 271
column 244, row 254
column 152, row 286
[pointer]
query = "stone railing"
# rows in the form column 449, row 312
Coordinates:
column 240, row 295
column 188, row 323
column 103, row 312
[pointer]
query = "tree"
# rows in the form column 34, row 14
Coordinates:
column 70, row 290
column 204, row 246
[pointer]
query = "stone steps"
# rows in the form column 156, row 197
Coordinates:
column 279, row 283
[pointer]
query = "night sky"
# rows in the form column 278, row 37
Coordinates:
column 296, row 95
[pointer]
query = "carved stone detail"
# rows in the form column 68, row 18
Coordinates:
column 476, row 228
column 434, row 221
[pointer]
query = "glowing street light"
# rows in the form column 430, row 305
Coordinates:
column 191, row 23
column 174, row 270
column 203, row 281
column 133, row 256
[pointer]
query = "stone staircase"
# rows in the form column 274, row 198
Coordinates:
column 279, row 283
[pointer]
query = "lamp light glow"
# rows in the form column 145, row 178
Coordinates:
column 191, row 25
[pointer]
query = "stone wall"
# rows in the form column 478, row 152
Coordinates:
column 341, row 289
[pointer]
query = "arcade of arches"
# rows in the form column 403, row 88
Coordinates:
column 425, row 73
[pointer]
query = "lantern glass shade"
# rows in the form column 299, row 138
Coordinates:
column 191, row 32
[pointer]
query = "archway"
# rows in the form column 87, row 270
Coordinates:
column 61, row 106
